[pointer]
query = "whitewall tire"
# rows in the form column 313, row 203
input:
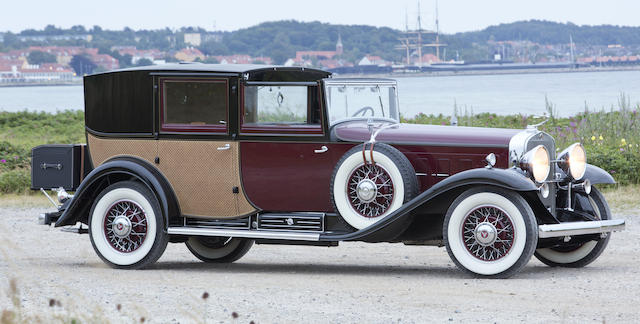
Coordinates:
column 218, row 249
column 572, row 256
column 490, row 232
column 365, row 191
column 126, row 227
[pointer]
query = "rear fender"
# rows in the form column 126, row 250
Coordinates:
column 386, row 228
column 114, row 170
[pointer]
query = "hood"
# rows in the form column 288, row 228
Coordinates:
column 432, row 135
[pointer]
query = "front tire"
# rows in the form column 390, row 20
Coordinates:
column 490, row 232
column 218, row 249
column 571, row 256
column 126, row 226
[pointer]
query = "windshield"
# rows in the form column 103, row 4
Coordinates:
column 348, row 100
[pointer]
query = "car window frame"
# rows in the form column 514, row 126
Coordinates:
column 168, row 128
column 282, row 129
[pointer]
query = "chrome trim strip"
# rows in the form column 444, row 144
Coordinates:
column 280, row 83
column 580, row 228
column 276, row 235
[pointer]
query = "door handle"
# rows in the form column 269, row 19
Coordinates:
column 321, row 150
column 224, row 148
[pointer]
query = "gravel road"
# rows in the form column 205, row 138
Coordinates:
column 352, row 283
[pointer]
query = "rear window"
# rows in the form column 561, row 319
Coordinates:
column 194, row 105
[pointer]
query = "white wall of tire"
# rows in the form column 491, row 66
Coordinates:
column 98, row 234
column 455, row 239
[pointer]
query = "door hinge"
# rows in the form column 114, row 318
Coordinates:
column 236, row 190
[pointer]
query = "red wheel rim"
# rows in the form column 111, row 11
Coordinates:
column 370, row 190
column 125, row 226
column 488, row 233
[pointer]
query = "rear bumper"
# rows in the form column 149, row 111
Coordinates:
column 580, row 228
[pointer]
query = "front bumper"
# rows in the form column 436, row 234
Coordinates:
column 580, row 228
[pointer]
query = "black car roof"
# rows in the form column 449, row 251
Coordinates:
column 221, row 68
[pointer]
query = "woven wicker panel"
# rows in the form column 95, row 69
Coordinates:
column 103, row 149
column 203, row 177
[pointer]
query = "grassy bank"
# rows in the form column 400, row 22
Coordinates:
column 611, row 137
column 21, row 131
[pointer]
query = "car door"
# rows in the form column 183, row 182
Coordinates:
column 286, row 157
column 196, row 154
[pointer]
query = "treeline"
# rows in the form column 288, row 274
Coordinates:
column 280, row 40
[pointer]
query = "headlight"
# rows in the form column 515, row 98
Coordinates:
column 537, row 163
column 573, row 161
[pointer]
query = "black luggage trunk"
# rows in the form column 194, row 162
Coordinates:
column 54, row 166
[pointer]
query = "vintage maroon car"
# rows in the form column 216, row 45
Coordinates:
column 222, row 156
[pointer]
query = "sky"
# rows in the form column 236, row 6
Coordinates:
column 455, row 15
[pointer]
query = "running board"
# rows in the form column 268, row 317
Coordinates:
column 254, row 234
column 580, row 228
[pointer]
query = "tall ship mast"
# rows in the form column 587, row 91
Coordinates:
column 413, row 40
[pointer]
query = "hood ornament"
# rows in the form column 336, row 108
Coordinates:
column 535, row 126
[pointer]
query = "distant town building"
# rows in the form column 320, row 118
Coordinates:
column 189, row 54
column 373, row 60
column 154, row 55
column 303, row 55
column 243, row 59
column 193, row 39
column 45, row 73
column 63, row 54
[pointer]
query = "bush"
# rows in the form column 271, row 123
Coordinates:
column 12, row 157
column 15, row 181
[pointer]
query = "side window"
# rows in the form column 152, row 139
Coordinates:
column 194, row 105
column 281, row 109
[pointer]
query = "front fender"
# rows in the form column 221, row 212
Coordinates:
column 505, row 178
column 597, row 175
column 119, row 167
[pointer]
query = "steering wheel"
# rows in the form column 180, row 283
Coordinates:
column 362, row 111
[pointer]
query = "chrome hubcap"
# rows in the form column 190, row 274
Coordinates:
column 485, row 233
column 121, row 226
column 367, row 190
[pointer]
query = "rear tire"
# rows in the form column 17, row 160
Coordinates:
column 218, row 249
column 490, row 232
column 126, row 226
column 585, row 253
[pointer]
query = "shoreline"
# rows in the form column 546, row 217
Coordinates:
column 44, row 84
column 492, row 72
column 401, row 74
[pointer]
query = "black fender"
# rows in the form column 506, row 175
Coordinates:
column 597, row 175
column 510, row 179
column 115, row 169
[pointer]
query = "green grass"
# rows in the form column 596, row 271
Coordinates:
column 611, row 137
column 21, row 131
